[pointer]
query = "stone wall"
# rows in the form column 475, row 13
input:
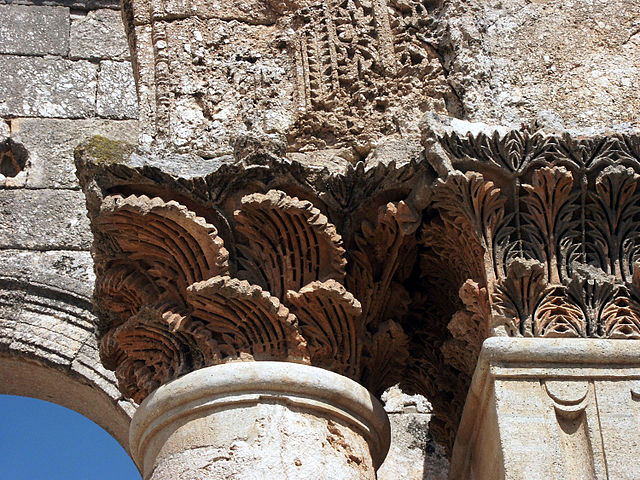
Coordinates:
column 66, row 75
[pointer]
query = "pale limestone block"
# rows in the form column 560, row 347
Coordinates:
column 99, row 35
column 116, row 91
column 47, row 87
column 43, row 219
column 34, row 30
column 551, row 408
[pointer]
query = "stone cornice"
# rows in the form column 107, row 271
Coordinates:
column 385, row 274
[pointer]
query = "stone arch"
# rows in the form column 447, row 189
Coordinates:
column 48, row 351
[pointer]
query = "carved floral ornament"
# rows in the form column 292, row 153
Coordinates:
column 383, row 275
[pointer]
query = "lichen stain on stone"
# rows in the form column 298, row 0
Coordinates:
column 104, row 151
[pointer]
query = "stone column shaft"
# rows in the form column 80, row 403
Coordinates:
column 260, row 420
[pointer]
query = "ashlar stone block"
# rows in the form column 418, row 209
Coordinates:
column 99, row 35
column 34, row 30
column 116, row 91
column 47, row 87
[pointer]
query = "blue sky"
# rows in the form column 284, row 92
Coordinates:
column 43, row 441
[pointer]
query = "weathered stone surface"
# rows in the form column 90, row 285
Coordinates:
column 551, row 408
column 569, row 63
column 286, row 421
column 50, row 143
column 414, row 454
column 98, row 35
column 116, row 91
column 331, row 76
column 34, row 30
column 47, row 87
column 50, row 267
column 74, row 4
column 43, row 220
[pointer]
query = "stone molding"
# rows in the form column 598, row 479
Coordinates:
column 586, row 388
column 314, row 391
column 519, row 233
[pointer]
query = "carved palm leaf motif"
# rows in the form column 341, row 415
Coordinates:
column 514, row 152
column 246, row 321
column 557, row 316
column 121, row 291
column 585, row 154
column 620, row 317
column 549, row 202
column 517, row 296
column 329, row 320
column 289, row 243
column 164, row 239
column 454, row 253
column 147, row 351
column 614, row 224
column 629, row 149
column 474, row 205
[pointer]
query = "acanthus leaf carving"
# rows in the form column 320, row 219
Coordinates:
column 289, row 243
column 329, row 319
column 250, row 323
column 169, row 242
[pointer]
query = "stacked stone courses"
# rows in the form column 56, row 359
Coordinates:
column 65, row 75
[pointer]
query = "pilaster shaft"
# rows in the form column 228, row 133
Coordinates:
column 551, row 408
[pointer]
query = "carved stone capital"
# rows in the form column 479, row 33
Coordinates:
column 384, row 274
column 529, row 234
column 252, row 262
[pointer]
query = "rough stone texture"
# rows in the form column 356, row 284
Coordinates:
column 98, row 35
column 50, row 143
column 76, row 267
column 551, row 408
column 116, row 91
column 47, row 87
column 339, row 77
column 43, row 220
column 414, row 454
column 75, row 4
column 34, row 30
column 572, row 63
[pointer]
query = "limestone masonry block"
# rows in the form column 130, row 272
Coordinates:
column 99, row 34
column 75, row 4
column 116, row 91
column 43, row 220
column 47, row 87
column 50, row 143
column 34, row 30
